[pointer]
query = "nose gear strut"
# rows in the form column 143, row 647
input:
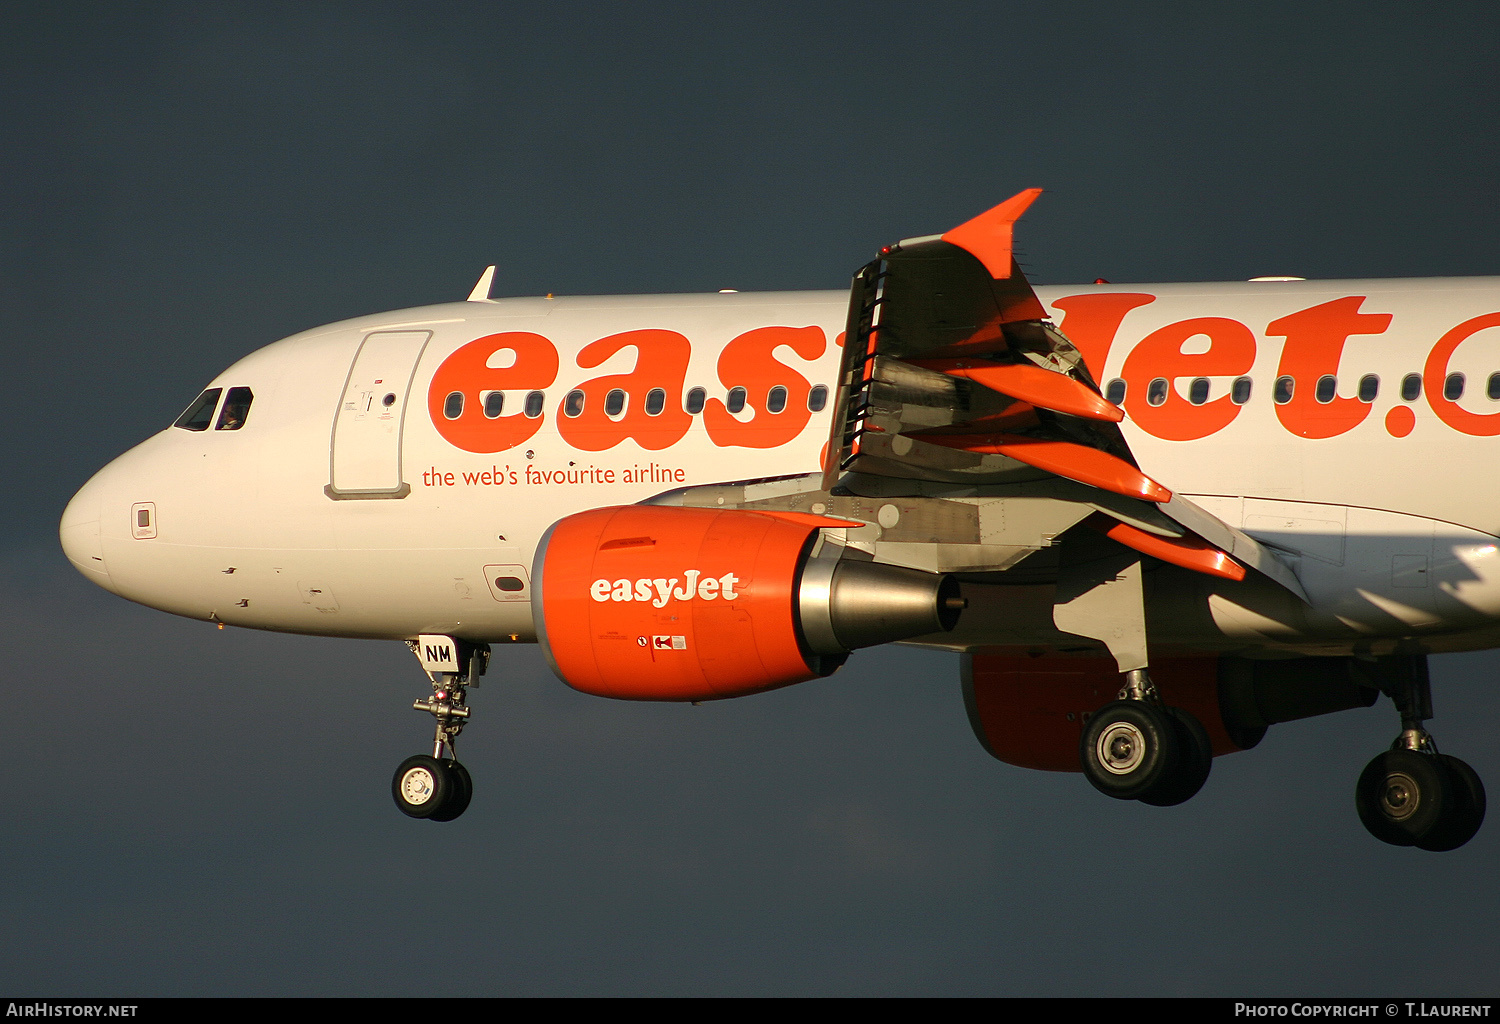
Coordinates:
column 439, row 787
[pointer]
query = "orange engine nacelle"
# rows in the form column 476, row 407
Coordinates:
column 1031, row 711
column 648, row 602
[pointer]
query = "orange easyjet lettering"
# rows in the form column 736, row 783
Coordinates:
column 1092, row 321
column 645, row 405
column 661, row 363
column 1435, row 373
column 515, row 360
column 749, row 362
column 1314, row 342
column 1162, row 411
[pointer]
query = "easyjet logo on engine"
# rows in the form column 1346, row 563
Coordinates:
column 660, row 591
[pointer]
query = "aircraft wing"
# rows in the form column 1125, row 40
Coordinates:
column 954, row 380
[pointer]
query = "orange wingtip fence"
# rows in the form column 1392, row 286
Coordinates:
column 988, row 236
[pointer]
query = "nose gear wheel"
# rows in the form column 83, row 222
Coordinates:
column 435, row 786
column 422, row 786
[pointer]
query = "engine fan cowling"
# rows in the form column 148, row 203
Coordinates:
column 670, row 603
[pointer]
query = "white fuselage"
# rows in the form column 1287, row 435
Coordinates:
column 336, row 511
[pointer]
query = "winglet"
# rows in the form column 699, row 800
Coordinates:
column 988, row 236
column 481, row 292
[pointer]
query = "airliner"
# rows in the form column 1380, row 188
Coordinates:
column 1154, row 520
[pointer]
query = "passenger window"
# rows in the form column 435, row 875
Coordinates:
column 1239, row 391
column 736, row 400
column 656, row 401
column 236, row 408
column 573, row 404
column 1198, row 391
column 776, row 399
column 1156, row 391
column 817, row 398
column 534, row 402
column 1492, row 389
column 614, row 403
column 201, row 413
column 453, row 405
column 1328, row 387
column 1369, row 388
column 695, row 400
column 1115, row 393
column 1282, row 393
column 1453, row 387
column 493, row 403
column 1411, row 387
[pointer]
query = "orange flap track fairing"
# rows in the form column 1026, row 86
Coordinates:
column 1187, row 552
column 1045, row 389
column 1074, row 461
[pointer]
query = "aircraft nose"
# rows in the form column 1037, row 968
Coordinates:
column 80, row 536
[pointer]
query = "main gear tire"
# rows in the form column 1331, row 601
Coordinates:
column 1195, row 760
column 1128, row 748
column 1464, row 813
column 1403, row 796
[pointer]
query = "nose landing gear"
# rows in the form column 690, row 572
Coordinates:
column 426, row 787
column 1411, row 795
column 438, row 787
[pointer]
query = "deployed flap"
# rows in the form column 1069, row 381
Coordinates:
column 953, row 374
column 946, row 343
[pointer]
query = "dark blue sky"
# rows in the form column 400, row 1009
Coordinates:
column 188, row 811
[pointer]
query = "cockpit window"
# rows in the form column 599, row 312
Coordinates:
column 201, row 413
column 236, row 408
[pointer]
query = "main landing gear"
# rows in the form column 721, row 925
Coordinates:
column 437, row 787
column 1137, row 748
column 1411, row 795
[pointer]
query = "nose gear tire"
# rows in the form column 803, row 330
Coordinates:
column 422, row 786
column 458, row 798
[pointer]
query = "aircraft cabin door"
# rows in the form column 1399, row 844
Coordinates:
column 365, row 458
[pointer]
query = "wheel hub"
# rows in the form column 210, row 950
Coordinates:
column 1121, row 748
column 1400, row 797
column 417, row 786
